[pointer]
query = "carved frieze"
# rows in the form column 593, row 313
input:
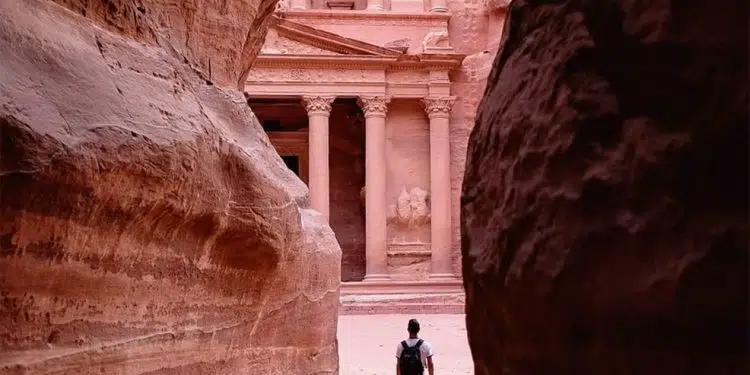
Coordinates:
column 438, row 106
column 313, row 18
column 408, row 76
column 314, row 75
column 374, row 105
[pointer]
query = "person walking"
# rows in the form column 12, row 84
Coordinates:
column 414, row 354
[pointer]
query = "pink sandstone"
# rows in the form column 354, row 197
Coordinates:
column 146, row 223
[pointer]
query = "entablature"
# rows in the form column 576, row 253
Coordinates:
column 299, row 59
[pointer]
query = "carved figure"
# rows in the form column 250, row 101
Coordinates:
column 436, row 40
column 401, row 45
column 412, row 208
column 281, row 6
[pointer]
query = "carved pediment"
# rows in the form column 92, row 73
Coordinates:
column 279, row 45
column 291, row 38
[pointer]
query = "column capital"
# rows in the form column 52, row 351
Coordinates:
column 374, row 106
column 438, row 106
column 318, row 104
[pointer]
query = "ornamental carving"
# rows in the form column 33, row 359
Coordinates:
column 276, row 44
column 318, row 103
column 324, row 19
column 438, row 106
column 410, row 213
column 314, row 75
column 281, row 6
column 374, row 105
column 436, row 40
column 408, row 76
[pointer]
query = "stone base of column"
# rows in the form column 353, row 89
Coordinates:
column 376, row 277
column 439, row 9
column 443, row 276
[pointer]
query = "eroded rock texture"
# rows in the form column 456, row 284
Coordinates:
column 146, row 223
column 604, row 206
column 219, row 38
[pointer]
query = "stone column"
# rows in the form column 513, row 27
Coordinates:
column 376, row 5
column 300, row 4
column 318, row 111
column 438, row 110
column 438, row 6
column 375, row 108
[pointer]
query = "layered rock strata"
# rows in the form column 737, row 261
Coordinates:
column 147, row 226
column 604, row 206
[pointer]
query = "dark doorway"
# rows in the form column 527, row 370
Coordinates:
column 292, row 162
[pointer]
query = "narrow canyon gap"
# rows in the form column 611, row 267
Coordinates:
column 604, row 205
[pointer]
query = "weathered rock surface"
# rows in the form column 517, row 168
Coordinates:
column 604, row 205
column 146, row 224
column 475, row 29
column 219, row 38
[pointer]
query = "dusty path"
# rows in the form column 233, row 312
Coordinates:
column 367, row 343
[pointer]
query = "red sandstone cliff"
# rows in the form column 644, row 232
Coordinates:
column 146, row 223
column 475, row 30
column 604, row 206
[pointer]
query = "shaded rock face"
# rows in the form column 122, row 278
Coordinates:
column 219, row 38
column 146, row 223
column 604, row 206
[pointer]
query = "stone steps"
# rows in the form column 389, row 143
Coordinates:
column 402, row 287
column 402, row 308
column 447, row 303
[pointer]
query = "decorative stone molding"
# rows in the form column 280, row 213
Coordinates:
column 276, row 44
column 340, row 4
column 368, row 18
column 297, row 74
column 440, row 106
column 401, row 45
column 318, row 104
column 374, row 105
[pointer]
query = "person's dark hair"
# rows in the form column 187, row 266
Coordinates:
column 413, row 327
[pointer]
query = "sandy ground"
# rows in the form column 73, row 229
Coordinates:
column 367, row 343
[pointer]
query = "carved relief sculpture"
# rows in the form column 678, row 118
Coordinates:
column 281, row 6
column 436, row 40
column 411, row 211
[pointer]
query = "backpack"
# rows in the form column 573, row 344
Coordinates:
column 410, row 362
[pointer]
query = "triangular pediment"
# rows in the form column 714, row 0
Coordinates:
column 291, row 38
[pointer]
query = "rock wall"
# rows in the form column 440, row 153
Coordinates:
column 475, row 30
column 218, row 38
column 604, row 206
column 146, row 223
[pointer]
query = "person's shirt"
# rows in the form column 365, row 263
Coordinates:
column 425, row 349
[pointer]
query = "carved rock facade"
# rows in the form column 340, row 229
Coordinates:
column 604, row 207
column 146, row 223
